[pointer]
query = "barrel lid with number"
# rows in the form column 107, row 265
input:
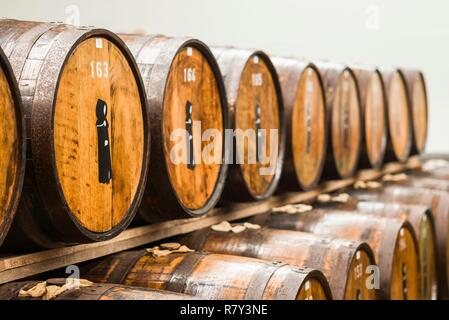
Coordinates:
column 12, row 146
column 257, row 117
column 99, row 129
column 188, row 111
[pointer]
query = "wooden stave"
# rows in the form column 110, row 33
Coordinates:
column 159, row 186
column 301, row 222
column 52, row 213
column 292, row 70
column 126, row 264
column 10, row 291
column 441, row 221
column 231, row 62
column 250, row 243
column 330, row 73
column 18, row 182
column 363, row 74
column 408, row 76
column 390, row 156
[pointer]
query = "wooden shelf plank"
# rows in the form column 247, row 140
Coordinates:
column 21, row 266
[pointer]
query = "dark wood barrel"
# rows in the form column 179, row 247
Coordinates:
column 374, row 116
column 211, row 276
column 256, row 114
column 87, row 132
column 305, row 123
column 344, row 122
column 417, row 92
column 343, row 262
column 12, row 146
column 438, row 201
column 186, row 96
column 400, row 133
column 421, row 219
column 393, row 242
column 106, row 291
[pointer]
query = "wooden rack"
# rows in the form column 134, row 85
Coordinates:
column 22, row 266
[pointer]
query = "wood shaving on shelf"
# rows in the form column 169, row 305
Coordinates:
column 35, row 292
column 48, row 292
column 434, row 164
column 225, row 226
column 395, row 177
column 251, row 226
column 363, row 185
column 324, row 198
column 163, row 250
column 341, row 198
column 293, row 208
column 170, row 246
column 238, row 228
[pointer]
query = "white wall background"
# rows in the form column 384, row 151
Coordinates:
column 409, row 33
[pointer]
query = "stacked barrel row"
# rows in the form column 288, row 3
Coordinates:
column 390, row 242
column 90, row 121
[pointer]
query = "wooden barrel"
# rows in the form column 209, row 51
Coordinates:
column 256, row 114
column 417, row 92
column 438, row 201
column 400, row 134
column 305, row 123
column 10, row 291
column 344, row 122
column 374, row 119
column 343, row 262
column 421, row 219
column 12, row 146
column 212, row 276
column 87, row 129
column 186, row 96
column 393, row 242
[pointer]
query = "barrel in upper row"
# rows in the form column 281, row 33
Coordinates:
column 92, row 102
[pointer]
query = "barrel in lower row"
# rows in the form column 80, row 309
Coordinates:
column 211, row 276
column 393, row 242
column 346, row 264
column 438, row 202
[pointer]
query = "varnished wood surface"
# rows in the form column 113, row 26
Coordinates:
column 418, row 98
column 179, row 72
column 399, row 141
column 305, row 120
column 50, row 213
column 99, row 207
column 373, row 109
column 14, row 267
column 106, row 291
column 253, row 94
column 343, row 121
column 341, row 261
column 265, row 96
column 12, row 146
column 211, row 276
column 392, row 241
